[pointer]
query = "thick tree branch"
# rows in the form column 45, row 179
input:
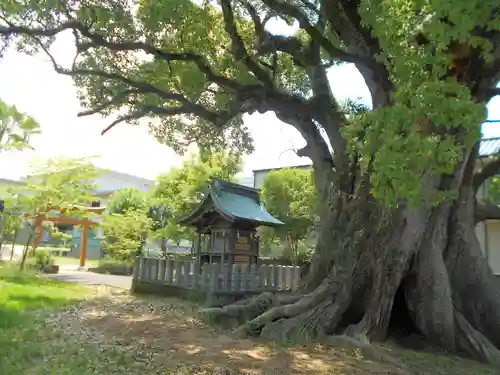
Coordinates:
column 334, row 52
column 491, row 168
column 248, row 97
column 238, row 48
column 144, row 111
column 184, row 105
column 118, row 99
column 327, row 111
column 344, row 18
column 39, row 32
column 487, row 94
column 100, row 41
column 484, row 212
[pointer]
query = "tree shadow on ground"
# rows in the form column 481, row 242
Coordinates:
column 164, row 334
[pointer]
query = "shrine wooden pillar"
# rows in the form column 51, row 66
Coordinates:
column 83, row 248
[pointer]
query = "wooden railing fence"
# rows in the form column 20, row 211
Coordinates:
column 217, row 277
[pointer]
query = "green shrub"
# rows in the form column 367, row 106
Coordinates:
column 43, row 258
column 111, row 263
column 125, row 235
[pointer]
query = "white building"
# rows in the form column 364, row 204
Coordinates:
column 259, row 175
column 110, row 181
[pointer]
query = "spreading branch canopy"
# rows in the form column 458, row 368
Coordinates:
column 193, row 69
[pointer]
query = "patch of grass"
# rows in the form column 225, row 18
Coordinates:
column 25, row 291
column 24, row 298
column 433, row 363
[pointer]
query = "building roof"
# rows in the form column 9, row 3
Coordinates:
column 234, row 202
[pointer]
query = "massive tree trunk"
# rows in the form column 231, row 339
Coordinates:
column 378, row 271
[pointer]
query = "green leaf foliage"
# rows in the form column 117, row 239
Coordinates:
column 125, row 234
column 181, row 189
column 194, row 68
column 127, row 199
column 289, row 194
column 16, row 128
column 56, row 183
column 493, row 190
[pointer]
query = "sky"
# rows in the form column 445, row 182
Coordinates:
column 31, row 84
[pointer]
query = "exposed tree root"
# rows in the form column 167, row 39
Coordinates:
column 234, row 315
column 310, row 323
column 292, row 310
column 473, row 342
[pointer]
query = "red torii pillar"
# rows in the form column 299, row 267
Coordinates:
column 85, row 223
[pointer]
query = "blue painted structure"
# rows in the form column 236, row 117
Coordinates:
column 93, row 244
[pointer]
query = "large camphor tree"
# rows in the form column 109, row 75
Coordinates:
column 397, row 183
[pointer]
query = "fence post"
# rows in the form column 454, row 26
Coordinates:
column 135, row 275
column 283, row 277
column 276, row 277
column 178, row 272
column 161, row 270
column 205, row 275
column 196, row 275
column 236, row 276
column 269, row 277
column 214, row 276
column 253, row 276
column 245, row 277
column 261, row 282
column 226, row 279
column 169, row 275
column 187, row 274
column 296, row 277
column 289, row 278
column 153, row 270
column 144, row 269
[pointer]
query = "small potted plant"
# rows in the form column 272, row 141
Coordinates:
column 45, row 261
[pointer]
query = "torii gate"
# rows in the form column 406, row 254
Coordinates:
column 85, row 223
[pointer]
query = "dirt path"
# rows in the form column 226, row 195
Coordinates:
column 117, row 333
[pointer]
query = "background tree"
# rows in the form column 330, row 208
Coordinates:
column 398, row 191
column 125, row 235
column 181, row 189
column 289, row 194
column 55, row 184
column 12, row 220
column 160, row 216
column 16, row 128
column 127, row 199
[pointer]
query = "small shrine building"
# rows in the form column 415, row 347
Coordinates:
column 226, row 223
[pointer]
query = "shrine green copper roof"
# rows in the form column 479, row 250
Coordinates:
column 234, row 202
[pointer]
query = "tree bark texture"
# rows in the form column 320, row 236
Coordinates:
column 367, row 254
